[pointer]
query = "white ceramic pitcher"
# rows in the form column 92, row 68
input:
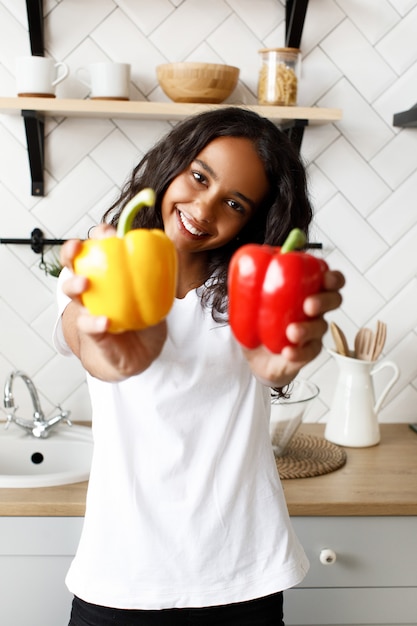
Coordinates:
column 353, row 417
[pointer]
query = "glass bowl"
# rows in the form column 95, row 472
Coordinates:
column 287, row 413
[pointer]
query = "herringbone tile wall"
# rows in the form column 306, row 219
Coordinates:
column 359, row 56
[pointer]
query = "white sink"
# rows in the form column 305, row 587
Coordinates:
column 62, row 458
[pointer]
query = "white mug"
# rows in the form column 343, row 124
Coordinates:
column 38, row 76
column 106, row 80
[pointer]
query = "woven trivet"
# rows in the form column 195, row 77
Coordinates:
column 308, row 456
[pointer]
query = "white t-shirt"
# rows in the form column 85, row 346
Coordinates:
column 184, row 507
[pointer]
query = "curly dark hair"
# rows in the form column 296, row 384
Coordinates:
column 286, row 205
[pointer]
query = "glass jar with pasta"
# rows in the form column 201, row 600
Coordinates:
column 278, row 76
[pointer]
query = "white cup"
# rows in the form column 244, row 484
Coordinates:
column 38, row 76
column 106, row 80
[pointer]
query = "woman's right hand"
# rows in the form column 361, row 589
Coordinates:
column 108, row 356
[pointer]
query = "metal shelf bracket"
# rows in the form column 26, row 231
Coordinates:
column 406, row 119
column 295, row 131
column 34, row 10
column 34, row 121
column 35, row 138
column 295, row 13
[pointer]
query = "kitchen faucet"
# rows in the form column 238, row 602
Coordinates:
column 38, row 426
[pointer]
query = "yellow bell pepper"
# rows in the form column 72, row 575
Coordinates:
column 132, row 276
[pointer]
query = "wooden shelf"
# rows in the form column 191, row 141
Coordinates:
column 155, row 110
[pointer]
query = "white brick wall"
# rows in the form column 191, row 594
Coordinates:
column 359, row 56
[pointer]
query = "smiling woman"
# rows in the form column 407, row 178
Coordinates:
column 207, row 205
column 259, row 149
column 193, row 485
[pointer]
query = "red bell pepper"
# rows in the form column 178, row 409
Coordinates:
column 267, row 289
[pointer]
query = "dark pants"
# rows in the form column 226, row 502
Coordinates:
column 261, row 612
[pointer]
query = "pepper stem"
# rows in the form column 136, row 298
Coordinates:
column 295, row 240
column 145, row 197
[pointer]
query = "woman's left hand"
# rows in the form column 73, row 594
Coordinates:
column 277, row 370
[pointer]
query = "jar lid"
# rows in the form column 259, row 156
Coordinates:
column 294, row 50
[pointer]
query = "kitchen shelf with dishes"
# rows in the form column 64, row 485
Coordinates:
column 292, row 120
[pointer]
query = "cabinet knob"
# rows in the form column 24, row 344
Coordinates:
column 327, row 556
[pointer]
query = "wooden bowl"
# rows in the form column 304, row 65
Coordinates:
column 197, row 82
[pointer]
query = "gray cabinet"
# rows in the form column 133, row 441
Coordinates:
column 35, row 553
column 371, row 577
column 371, row 580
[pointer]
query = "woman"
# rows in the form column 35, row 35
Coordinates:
column 186, row 522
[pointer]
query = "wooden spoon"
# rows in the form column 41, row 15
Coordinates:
column 380, row 338
column 339, row 339
column 364, row 344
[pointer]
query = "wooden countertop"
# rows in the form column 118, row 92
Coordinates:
column 381, row 480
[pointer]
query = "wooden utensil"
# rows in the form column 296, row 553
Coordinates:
column 339, row 339
column 380, row 338
column 364, row 344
